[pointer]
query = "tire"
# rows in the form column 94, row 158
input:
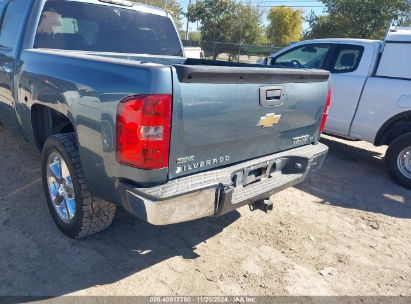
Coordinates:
column 398, row 160
column 76, row 211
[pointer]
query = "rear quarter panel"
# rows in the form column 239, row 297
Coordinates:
column 87, row 89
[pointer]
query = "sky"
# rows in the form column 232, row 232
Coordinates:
column 306, row 5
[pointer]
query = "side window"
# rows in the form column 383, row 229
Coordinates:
column 12, row 23
column 395, row 60
column 347, row 58
column 309, row 56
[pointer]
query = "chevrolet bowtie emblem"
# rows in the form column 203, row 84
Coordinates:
column 269, row 120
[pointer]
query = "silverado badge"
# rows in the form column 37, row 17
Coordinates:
column 269, row 120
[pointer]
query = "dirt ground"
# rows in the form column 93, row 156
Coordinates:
column 346, row 231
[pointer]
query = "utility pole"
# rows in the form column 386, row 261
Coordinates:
column 241, row 36
column 188, row 19
column 239, row 45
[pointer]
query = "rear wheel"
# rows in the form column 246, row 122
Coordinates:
column 76, row 211
column 398, row 160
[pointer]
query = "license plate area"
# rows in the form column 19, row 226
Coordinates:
column 253, row 174
column 266, row 170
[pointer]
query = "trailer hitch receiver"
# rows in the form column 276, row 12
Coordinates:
column 264, row 205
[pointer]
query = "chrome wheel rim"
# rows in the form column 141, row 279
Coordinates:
column 60, row 187
column 404, row 162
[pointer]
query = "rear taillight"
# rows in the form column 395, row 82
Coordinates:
column 325, row 114
column 143, row 131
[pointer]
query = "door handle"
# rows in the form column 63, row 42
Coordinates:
column 7, row 67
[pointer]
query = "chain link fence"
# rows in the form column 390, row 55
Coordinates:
column 245, row 53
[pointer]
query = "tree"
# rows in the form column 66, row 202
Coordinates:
column 285, row 25
column 195, row 36
column 357, row 18
column 173, row 6
column 248, row 28
column 227, row 21
column 406, row 20
column 216, row 17
column 320, row 27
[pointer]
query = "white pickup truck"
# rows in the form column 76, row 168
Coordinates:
column 371, row 86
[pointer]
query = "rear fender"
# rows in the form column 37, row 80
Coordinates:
column 393, row 127
column 87, row 90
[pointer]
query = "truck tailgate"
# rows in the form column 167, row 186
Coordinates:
column 224, row 115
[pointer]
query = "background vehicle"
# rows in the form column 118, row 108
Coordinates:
column 135, row 124
column 193, row 52
column 371, row 83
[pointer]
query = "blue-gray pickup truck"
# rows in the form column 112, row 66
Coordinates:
column 123, row 119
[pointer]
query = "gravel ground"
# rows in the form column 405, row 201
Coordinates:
column 346, row 231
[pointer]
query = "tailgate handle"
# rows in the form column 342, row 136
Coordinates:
column 271, row 96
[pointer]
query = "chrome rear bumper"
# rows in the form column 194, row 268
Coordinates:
column 220, row 191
